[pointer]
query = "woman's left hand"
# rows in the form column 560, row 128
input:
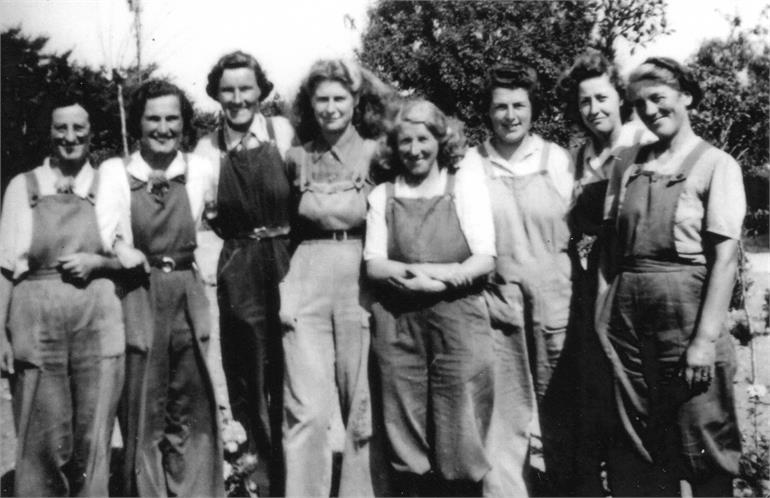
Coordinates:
column 699, row 364
column 80, row 265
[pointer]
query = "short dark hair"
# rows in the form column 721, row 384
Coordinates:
column 152, row 89
column 237, row 60
column 591, row 64
column 69, row 95
column 513, row 74
column 669, row 72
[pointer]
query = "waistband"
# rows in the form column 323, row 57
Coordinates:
column 335, row 235
column 172, row 262
column 44, row 274
column 260, row 233
column 647, row 265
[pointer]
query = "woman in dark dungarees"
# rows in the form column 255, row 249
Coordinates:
column 593, row 95
column 430, row 244
column 65, row 345
column 252, row 216
column 169, row 412
column 677, row 218
column 326, row 327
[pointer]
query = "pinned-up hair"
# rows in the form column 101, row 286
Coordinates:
column 513, row 74
column 669, row 72
column 153, row 89
column 237, row 60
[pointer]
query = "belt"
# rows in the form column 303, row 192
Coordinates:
column 260, row 233
column 649, row 265
column 338, row 235
column 169, row 263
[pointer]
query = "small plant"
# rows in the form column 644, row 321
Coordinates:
column 239, row 464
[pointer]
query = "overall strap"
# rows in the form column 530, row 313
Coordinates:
column 221, row 138
column 691, row 160
column 304, row 184
column 580, row 161
column 544, row 157
column 390, row 190
column 270, row 129
column 449, row 188
column 94, row 188
column 485, row 160
column 33, row 188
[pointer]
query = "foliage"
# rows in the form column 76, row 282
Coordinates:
column 734, row 115
column 443, row 50
column 636, row 22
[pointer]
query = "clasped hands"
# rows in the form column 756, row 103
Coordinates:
column 430, row 278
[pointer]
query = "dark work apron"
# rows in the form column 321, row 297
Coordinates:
column 67, row 338
column 169, row 414
column 253, row 206
column 435, row 353
column 648, row 320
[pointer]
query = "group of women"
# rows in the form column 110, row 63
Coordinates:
column 510, row 292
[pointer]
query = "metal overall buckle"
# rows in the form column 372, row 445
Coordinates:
column 167, row 264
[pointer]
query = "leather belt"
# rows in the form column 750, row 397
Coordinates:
column 260, row 233
column 338, row 235
column 169, row 263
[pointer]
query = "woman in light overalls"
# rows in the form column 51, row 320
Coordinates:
column 169, row 412
column 593, row 97
column 530, row 182
column 677, row 218
column 429, row 247
column 58, row 237
column 326, row 327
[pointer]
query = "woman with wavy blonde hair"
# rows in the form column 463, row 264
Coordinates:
column 325, row 326
column 429, row 246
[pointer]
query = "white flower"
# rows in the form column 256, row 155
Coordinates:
column 756, row 391
column 231, row 447
column 227, row 470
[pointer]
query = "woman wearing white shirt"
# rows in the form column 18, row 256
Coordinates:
column 429, row 245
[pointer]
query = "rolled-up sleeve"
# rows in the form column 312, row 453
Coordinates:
column 15, row 227
column 474, row 208
column 113, row 203
column 726, row 207
column 376, row 246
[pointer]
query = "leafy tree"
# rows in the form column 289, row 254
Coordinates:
column 443, row 50
column 735, row 113
column 636, row 22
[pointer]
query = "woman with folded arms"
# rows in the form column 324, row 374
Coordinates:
column 429, row 247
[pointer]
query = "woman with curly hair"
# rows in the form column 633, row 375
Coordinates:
column 429, row 246
column 169, row 412
column 326, row 327
column 677, row 217
column 593, row 92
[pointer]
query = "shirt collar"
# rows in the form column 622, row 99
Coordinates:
column 531, row 144
column 346, row 150
column 257, row 129
column 139, row 169
column 81, row 183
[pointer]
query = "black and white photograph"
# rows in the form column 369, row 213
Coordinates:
column 397, row 248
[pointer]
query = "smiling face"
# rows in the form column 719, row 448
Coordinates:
column 662, row 108
column 510, row 112
column 239, row 96
column 599, row 105
column 162, row 125
column 333, row 106
column 70, row 133
column 417, row 149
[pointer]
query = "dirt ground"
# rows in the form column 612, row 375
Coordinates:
column 759, row 349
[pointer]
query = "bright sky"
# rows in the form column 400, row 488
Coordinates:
column 186, row 37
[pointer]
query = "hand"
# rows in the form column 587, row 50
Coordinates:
column 80, row 265
column 450, row 273
column 417, row 281
column 6, row 355
column 130, row 257
column 699, row 364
